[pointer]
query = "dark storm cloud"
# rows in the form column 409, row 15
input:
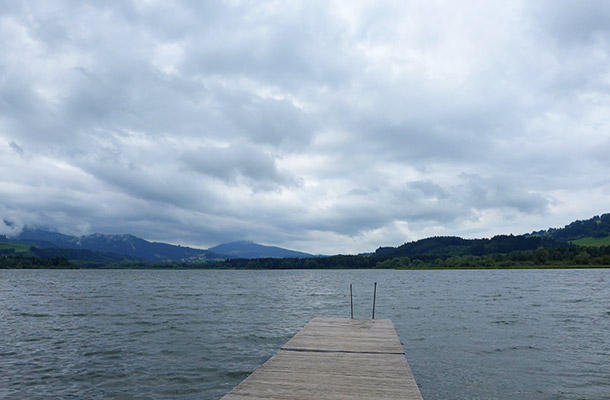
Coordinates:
column 277, row 122
column 320, row 126
column 574, row 23
column 259, row 43
column 18, row 149
column 501, row 192
column 239, row 160
column 425, row 202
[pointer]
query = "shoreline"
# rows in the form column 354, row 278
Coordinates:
column 423, row 268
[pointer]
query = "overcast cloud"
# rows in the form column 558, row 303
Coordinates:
column 321, row 126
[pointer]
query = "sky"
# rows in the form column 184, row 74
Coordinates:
column 321, row 126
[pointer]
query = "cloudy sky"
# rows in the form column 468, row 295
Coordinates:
column 320, row 126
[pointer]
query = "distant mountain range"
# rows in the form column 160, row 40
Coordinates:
column 594, row 232
column 99, row 247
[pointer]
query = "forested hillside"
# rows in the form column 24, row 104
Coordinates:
column 456, row 246
column 98, row 247
column 590, row 232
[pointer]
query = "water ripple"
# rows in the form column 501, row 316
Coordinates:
column 196, row 334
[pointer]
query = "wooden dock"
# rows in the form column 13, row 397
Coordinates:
column 334, row 358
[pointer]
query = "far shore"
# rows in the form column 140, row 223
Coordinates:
column 199, row 267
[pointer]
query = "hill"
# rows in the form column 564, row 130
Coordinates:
column 591, row 232
column 244, row 249
column 456, row 246
column 594, row 231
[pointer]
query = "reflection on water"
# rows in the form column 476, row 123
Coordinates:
column 517, row 334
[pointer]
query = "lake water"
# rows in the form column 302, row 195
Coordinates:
column 154, row 334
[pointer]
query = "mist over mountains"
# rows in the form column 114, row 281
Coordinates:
column 125, row 247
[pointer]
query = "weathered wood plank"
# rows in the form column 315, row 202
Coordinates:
column 334, row 359
column 348, row 335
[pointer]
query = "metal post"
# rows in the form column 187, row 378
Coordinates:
column 374, row 298
column 351, row 300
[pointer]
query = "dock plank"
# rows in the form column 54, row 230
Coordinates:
column 334, row 359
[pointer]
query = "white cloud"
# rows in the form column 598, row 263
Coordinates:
column 318, row 126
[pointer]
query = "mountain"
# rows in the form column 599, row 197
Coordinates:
column 244, row 249
column 46, row 239
column 137, row 247
column 134, row 248
column 99, row 247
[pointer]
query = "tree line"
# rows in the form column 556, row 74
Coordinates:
column 540, row 257
column 23, row 262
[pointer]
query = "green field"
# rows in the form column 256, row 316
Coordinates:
column 593, row 242
column 19, row 248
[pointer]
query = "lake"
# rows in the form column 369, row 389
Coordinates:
column 188, row 334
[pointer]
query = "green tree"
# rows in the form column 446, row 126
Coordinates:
column 582, row 258
column 541, row 256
